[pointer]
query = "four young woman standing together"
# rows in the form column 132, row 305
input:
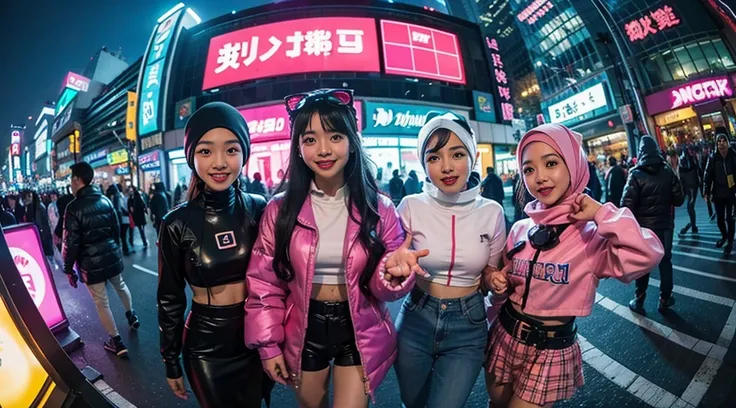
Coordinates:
column 297, row 295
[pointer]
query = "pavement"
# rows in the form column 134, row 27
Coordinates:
column 681, row 359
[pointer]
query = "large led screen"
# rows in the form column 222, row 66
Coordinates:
column 333, row 44
column 416, row 51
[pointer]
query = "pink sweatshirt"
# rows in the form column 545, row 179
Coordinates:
column 565, row 278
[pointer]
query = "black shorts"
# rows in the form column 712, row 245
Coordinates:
column 330, row 336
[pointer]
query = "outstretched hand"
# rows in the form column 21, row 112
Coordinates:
column 403, row 262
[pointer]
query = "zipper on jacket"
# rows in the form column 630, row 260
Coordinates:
column 297, row 377
column 452, row 257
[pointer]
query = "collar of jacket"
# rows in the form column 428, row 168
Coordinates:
column 89, row 190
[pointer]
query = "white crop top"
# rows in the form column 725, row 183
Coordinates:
column 331, row 216
column 462, row 238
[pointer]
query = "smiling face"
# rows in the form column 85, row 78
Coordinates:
column 218, row 159
column 545, row 173
column 449, row 166
column 325, row 152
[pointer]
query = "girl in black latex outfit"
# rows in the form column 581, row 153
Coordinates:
column 206, row 242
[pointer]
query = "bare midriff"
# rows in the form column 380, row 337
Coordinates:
column 223, row 295
column 546, row 321
column 329, row 293
column 443, row 291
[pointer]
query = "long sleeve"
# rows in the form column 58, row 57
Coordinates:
column 392, row 234
column 498, row 241
column 620, row 248
column 72, row 236
column 172, row 301
column 265, row 306
column 678, row 196
column 709, row 170
column 630, row 197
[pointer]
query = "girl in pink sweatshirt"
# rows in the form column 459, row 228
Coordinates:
column 556, row 259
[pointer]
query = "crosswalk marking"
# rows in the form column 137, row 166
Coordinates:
column 708, row 258
column 708, row 297
column 715, row 251
column 706, row 274
column 144, row 269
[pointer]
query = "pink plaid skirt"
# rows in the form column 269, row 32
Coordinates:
column 538, row 376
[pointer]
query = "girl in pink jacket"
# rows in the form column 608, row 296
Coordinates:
column 557, row 257
column 315, row 291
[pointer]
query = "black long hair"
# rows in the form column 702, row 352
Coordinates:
column 363, row 194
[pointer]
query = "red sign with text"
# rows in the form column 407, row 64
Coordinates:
column 657, row 20
column 417, row 51
column 331, row 44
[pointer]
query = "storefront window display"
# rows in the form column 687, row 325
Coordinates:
column 179, row 171
column 679, row 127
column 613, row 144
column 150, row 166
column 505, row 163
column 270, row 160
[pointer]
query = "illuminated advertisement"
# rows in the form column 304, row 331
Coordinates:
column 272, row 122
column 396, row 119
column 41, row 137
column 578, row 104
column 503, row 86
column 535, row 11
column 183, row 111
column 130, row 111
column 153, row 73
column 76, row 82
column 150, row 161
column 413, row 50
column 117, row 157
column 652, row 23
column 25, row 248
column 67, row 95
column 328, row 44
column 483, row 104
column 15, row 149
column 25, row 381
column 700, row 90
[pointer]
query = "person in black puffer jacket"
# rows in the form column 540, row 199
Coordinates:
column 615, row 180
column 691, row 179
column 92, row 242
column 651, row 192
column 160, row 205
column 720, row 187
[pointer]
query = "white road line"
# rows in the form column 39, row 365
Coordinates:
column 635, row 384
column 721, row 300
column 708, row 258
column 144, row 269
column 685, row 340
column 706, row 274
column 715, row 251
column 708, row 232
column 705, row 240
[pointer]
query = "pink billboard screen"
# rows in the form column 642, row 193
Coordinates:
column 417, row 51
column 331, row 44
column 25, row 248
column 271, row 122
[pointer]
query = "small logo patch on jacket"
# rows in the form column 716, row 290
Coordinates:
column 225, row 240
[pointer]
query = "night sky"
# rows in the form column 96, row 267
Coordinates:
column 43, row 40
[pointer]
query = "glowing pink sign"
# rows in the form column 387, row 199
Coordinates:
column 328, row 44
column 502, row 82
column 693, row 92
column 413, row 50
column 266, row 123
column 76, row 82
column 655, row 22
column 25, row 248
column 535, row 11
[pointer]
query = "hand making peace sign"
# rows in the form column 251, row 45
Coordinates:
column 403, row 262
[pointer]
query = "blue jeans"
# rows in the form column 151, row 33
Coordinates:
column 441, row 349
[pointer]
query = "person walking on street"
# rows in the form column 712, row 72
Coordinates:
column 395, row 186
column 594, row 184
column 121, row 210
column 411, row 185
column 615, row 181
column 92, row 242
column 492, row 186
column 36, row 213
column 691, row 178
column 6, row 217
column 61, row 205
column 137, row 209
column 257, row 186
column 720, row 188
column 651, row 192
column 160, row 205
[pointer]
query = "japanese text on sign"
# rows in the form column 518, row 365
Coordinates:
column 306, row 45
column 656, row 21
column 578, row 104
column 502, row 82
column 535, row 11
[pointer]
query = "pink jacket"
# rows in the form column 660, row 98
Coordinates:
column 565, row 279
column 276, row 311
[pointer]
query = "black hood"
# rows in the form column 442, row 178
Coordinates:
column 649, row 153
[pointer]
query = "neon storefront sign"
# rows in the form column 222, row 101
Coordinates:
column 502, row 82
column 535, row 11
column 329, row 44
column 25, row 248
column 413, row 50
column 693, row 92
column 76, row 82
column 657, row 20
column 579, row 104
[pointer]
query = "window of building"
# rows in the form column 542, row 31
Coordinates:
column 723, row 52
column 698, row 58
column 686, row 63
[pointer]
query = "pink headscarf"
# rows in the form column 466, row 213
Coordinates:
column 568, row 145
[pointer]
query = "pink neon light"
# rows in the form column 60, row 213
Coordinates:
column 657, row 20
column 688, row 94
column 535, row 11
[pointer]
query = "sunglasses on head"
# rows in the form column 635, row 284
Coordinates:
column 336, row 97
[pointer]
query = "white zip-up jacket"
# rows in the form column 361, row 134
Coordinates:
column 462, row 236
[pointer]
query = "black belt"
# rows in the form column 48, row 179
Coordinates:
column 319, row 307
column 531, row 332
